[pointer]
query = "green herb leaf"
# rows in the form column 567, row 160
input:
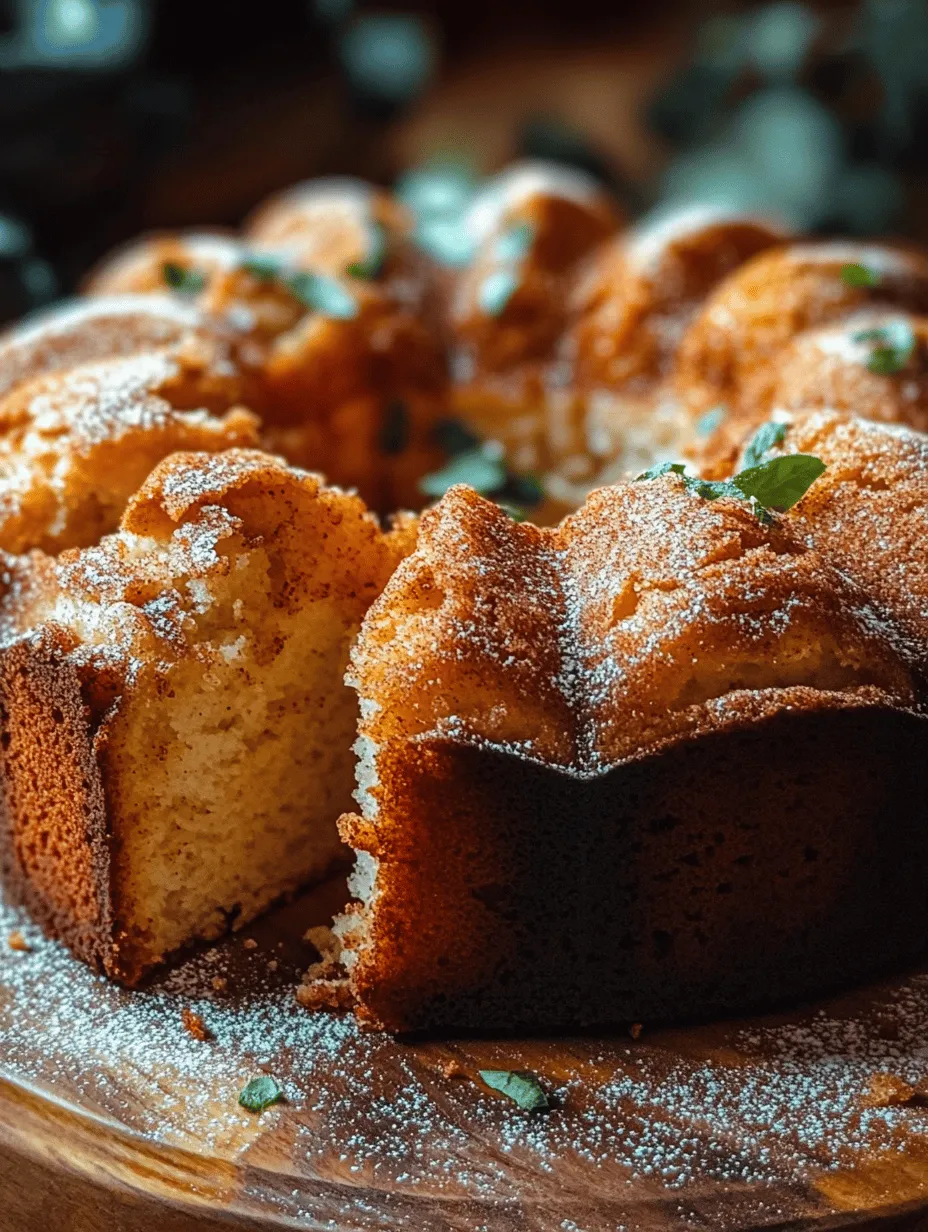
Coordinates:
column 183, row 278
column 764, row 439
column 482, row 465
column 521, row 1087
column 497, row 290
column 525, row 490
column 662, row 468
column 260, row 1093
column 514, row 511
column 855, row 275
column 394, row 430
column 781, row 482
column 706, row 424
column 515, row 243
column 323, row 295
column 446, row 240
column 263, row 266
column 893, row 347
column 371, row 265
column 482, row 469
column 777, row 484
column 711, row 489
column 454, row 437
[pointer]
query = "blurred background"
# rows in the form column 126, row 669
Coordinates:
column 123, row 115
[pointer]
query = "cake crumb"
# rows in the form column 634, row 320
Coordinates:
column 450, row 1068
column 273, row 965
column 321, row 936
column 219, row 982
column 16, row 941
column 194, row 1025
column 886, row 1091
column 250, row 944
column 635, row 1030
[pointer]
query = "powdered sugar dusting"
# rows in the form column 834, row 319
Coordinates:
column 766, row 1104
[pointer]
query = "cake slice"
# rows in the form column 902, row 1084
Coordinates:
column 176, row 728
column 659, row 762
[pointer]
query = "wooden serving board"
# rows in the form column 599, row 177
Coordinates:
column 112, row 1116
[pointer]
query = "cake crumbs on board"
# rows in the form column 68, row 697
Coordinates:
column 771, row 1103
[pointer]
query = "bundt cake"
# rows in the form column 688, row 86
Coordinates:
column 336, row 325
column 661, row 757
column 176, row 732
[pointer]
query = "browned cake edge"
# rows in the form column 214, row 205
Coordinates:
column 779, row 858
column 56, row 857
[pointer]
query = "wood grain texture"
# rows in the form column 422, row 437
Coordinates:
column 113, row 1117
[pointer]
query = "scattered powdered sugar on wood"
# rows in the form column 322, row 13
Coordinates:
column 773, row 1102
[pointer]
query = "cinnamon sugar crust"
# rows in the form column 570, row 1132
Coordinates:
column 869, row 511
column 660, row 689
column 739, row 334
column 176, row 729
column 352, row 385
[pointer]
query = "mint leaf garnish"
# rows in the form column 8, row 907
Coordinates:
column 483, row 470
column 454, row 437
column 482, row 465
column 515, row 243
column 662, row 468
column 323, row 295
column 781, row 482
column 446, row 240
column 371, row 264
column 525, row 489
column 394, row 429
column 764, row 439
column 263, row 266
column 496, row 290
column 893, row 347
column 317, row 292
column 773, row 486
column 183, row 278
column 520, row 1086
column 856, row 275
column 706, row 424
column 260, row 1093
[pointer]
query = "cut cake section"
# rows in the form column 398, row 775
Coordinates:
column 659, row 762
column 176, row 728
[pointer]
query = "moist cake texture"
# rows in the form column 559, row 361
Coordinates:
column 661, row 757
column 176, row 731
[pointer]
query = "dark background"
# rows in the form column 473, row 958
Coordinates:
column 123, row 115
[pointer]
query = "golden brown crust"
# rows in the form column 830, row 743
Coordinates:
column 869, row 511
column 661, row 688
column 75, row 445
column 354, row 396
column 636, row 299
column 873, row 364
column 55, row 856
column 139, row 266
column 113, row 327
column 153, row 612
column 744, row 325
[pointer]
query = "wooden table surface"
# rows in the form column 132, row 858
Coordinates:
column 113, row 1117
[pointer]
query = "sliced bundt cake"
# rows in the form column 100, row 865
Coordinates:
column 176, row 731
column 661, row 761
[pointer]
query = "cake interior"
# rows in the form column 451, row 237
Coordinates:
column 212, row 660
column 229, row 783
